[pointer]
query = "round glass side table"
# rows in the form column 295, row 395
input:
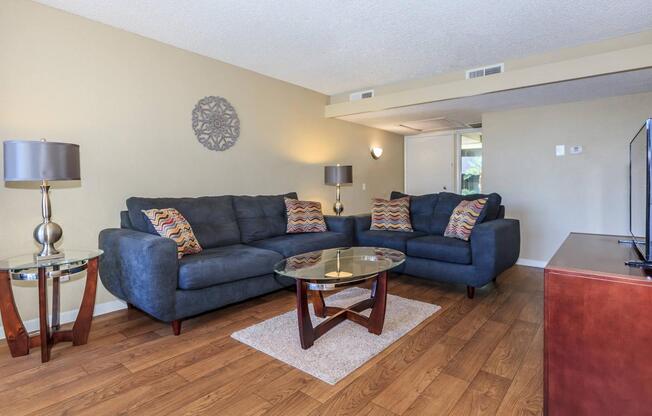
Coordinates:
column 27, row 267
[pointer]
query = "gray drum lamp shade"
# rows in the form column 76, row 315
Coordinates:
column 40, row 160
column 338, row 175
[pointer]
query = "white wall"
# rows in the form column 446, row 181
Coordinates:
column 553, row 196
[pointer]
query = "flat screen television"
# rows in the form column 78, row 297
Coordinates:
column 640, row 165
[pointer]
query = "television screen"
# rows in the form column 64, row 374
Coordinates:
column 638, row 189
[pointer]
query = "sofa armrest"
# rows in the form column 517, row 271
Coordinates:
column 342, row 225
column 495, row 246
column 141, row 269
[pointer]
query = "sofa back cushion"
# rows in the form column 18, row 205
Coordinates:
column 212, row 218
column 447, row 202
column 261, row 217
column 421, row 210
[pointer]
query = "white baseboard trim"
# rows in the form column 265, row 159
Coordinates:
column 531, row 263
column 70, row 316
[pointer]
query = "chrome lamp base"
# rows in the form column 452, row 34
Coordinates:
column 338, row 207
column 47, row 233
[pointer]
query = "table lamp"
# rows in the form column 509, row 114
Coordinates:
column 42, row 161
column 338, row 175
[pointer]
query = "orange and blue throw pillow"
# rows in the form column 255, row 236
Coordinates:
column 304, row 217
column 391, row 215
column 169, row 223
column 463, row 219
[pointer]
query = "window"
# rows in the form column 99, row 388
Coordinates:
column 470, row 163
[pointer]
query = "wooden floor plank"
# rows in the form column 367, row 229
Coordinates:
column 470, row 359
column 476, row 356
column 525, row 395
column 297, row 404
column 439, row 397
column 399, row 395
column 483, row 396
column 506, row 358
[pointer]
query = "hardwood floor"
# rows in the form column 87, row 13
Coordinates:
column 479, row 356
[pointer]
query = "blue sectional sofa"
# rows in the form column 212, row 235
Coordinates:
column 494, row 245
column 242, row 237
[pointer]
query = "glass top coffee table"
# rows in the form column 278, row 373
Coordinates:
column 331, row 269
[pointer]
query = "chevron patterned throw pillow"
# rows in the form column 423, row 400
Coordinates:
column 392, row 215
column 168, row 222
column 463, row 219
column 304, row 217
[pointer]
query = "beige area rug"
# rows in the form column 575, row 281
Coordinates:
column 342, row 349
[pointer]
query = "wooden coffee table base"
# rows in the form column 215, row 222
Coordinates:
column 374, row 323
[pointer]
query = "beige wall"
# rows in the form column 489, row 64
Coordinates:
column 551, row 195
column 127, row 101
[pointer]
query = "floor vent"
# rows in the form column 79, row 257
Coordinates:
column 485, row 71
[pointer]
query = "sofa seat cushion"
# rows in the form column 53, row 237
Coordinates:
column 437, row 247
column 225, row 264
column 293, row 244
column 388, row 239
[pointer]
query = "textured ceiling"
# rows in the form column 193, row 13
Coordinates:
column 333, row 46
column 470, row 109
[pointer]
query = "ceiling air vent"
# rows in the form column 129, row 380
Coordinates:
column 484, row 71
column 475, row 125
column 361, row 95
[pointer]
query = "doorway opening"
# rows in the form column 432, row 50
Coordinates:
column 470, row 162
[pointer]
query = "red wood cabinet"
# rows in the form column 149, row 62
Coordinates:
column 598, row 330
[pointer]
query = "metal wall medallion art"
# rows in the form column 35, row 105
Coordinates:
column 215, row 122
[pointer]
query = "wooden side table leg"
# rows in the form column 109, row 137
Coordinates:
column 56, row 308
column 44, row 326
column 377, row 317
column 306, row 331
column 82, row 326
column 15, row 333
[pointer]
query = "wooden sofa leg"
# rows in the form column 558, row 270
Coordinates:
column 130, row 306
column 470, row 292
column 176, row 326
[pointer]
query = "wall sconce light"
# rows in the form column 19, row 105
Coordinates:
column 376, row 152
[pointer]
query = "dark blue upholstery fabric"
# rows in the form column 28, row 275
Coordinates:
column 125, row 222
column 141, row 269
column 212, row 218
column 225, row 264
column 388, row 239
column 447, row 203
column 261, row 217
column 192, row 302
column 443, row 271
column 421, row 210
column 342, row 225
column 361, row 223
column 437, row 247
column 293, row 244
column 495, row 246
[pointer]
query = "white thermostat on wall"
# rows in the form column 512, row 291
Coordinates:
column 576, row 149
